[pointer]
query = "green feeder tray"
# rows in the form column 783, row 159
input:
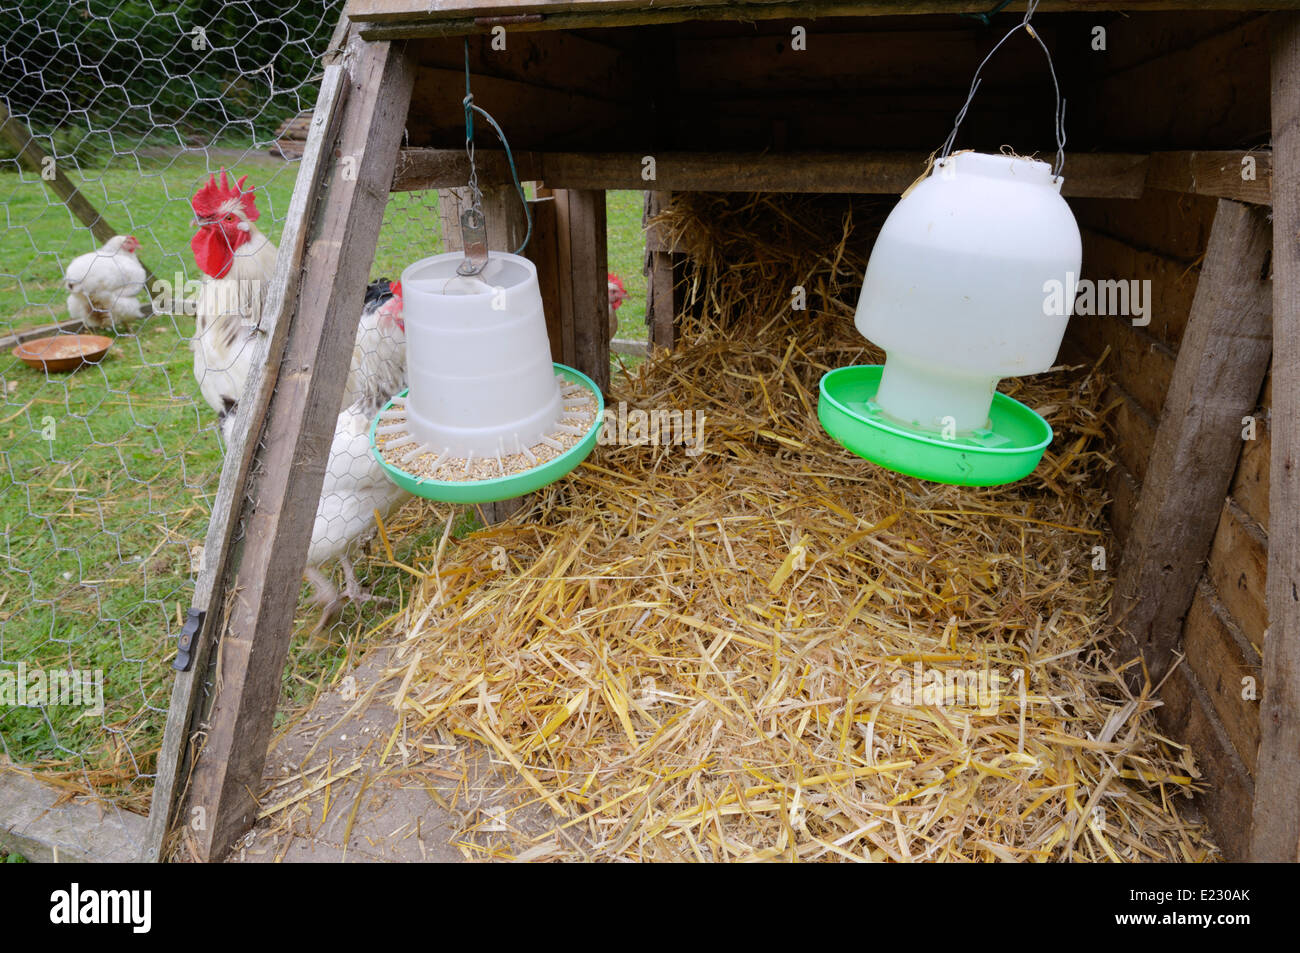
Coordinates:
column 1006, row 452
column 506, row 487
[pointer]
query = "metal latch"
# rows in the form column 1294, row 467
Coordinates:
column 473, row 230
column 185, row 645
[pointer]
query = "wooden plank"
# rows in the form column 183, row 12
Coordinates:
column 396, row 19
column 70, row 326
column 1142, row 365
column 1105, row 175
column 1222, row 659
column 34, row 159
column 1276, row 833
column 582, row 227
column 1087, row 175
column 218, row 548
column 1160, row 36
column 661, row 273
column 560, row 61
column 1217, row 174
column 1124, row 492
column 289, row 468
column 758, row 64
column 630, row 347
column 1225, row 75
column 1170, row 225
column 1250, row 485
column 1238, row 567
column 543, row 251
column 1172, row 287
column 1187, row 713
column 39, row 822
column 1216, row 380
column 530, row 115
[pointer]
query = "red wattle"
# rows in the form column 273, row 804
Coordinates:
column 213, row 251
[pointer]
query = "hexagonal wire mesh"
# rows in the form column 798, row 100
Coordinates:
column 107, row 473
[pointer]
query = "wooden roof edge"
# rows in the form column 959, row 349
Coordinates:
column 395, row 19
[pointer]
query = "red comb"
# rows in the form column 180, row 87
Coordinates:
column 396, row 288
column 207, row 201
column 616, row 281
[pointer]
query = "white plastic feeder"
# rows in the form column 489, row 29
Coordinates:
column 957, row 290
column 478, row 358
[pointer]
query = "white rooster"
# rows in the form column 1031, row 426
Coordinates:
column 103, row 284
column 238, row 261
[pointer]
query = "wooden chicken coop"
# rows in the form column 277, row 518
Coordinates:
column 1182, row 167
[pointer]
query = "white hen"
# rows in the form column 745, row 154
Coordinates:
column 103, row 284
column 355, row 486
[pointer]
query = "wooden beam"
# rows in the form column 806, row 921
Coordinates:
column 36, row 160
column 70, row 326
column 299, row 424
column 1276, row 833
column 1219, row 174
column 1087, row 175
column 40, row 823
column 1091, row 175
column 175, row 755
column 1216, row 380
column 394, row 19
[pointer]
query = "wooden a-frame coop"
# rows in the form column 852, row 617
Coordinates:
column 1183, row 167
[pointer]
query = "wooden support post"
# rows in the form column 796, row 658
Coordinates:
column 661, row 276
column 583, row 265
column 507, row 224
column 288, row 472
column 1221, row 365
column 174, row 756
column 544, row 252
column 1276, row 831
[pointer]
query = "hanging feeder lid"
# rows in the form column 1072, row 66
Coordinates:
column 504, row 487
column 1005, row 452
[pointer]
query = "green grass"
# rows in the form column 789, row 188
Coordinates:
column 100, row 519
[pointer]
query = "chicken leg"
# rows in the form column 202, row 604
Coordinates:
column 354, row 590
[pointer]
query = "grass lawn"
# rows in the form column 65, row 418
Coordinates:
column 107, row 475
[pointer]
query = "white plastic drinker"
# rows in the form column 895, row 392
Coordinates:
column 957, row 290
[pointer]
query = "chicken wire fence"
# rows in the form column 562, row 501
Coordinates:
column 108, row 473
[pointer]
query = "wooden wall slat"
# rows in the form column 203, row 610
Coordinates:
column 1137, row 361
column 1221, row 366
column 1172, row 284
column 1238, row 567
column 1227, row 789
column 1214, row 92
column 1169, row 224
column 1221, row 658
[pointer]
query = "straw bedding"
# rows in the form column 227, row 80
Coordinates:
column 759, row 650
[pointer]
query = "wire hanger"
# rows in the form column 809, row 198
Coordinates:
column 975, row 84
column 473, row 223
